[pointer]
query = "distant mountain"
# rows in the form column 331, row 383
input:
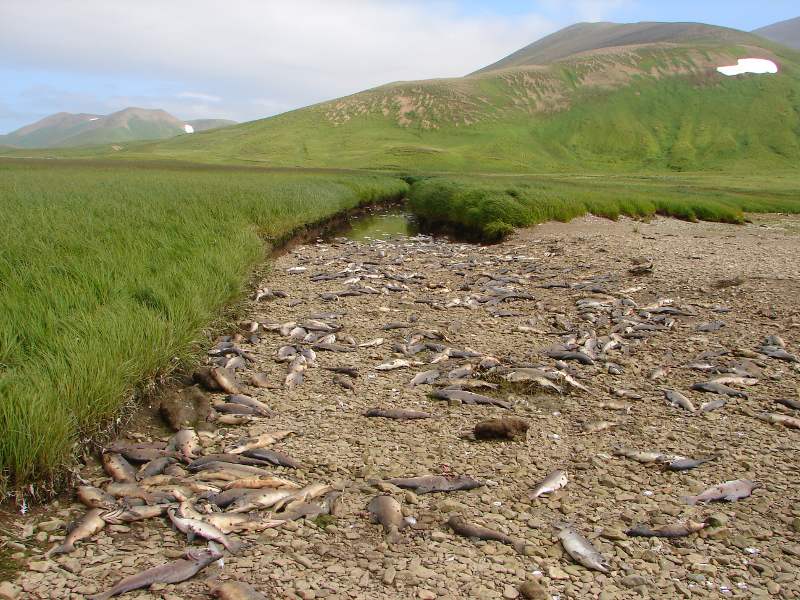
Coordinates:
column 68, row 130
column 785, row 32
column 206, row 124
column 644, row 97
column 586, row 37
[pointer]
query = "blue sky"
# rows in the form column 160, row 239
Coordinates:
column 246, row 59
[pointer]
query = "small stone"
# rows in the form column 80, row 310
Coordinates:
column 533, row 590
column 426, row 595
column 633, row 581
column 50, row 526
column 389, row 576
column 9, row 591
column 40, row 566
column 556, row 573
column 773, row 588
column 796, row 524
column 612, row 533
column 718, row 520
column 510, row 592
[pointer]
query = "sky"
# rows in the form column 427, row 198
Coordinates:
column 249, row 59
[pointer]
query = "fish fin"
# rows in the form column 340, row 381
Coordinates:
column 190, row 536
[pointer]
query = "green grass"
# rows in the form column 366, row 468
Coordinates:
column 488, row 208
column 109, row 272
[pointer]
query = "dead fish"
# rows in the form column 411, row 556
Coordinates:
column 596, row 426
column 274, row 457
column 666, row 531
column 371, row 343
column 388, row 512
column 133, row 513
column 713, row 405
column 553, row 482
column 789, row 403
column 343, row 382
column 225, row 380
column 349, row 371
column 436, row 483
column 581, row 550
column 534, row 376
column 461, row 372
column 424, row 378
column 92, row 497
column 195, row 527
column 130, row 490
column 686, row 464
column 259, row 380
column 779, row 354
column 735, row 380
column 232, row 408
column 459, row 525
column 235, row 590
column 331, row 347
column 118, row 468
column 238, row 459
column 234, row 419
column 293, row 379
column 779, row 419
column 717, row 388
column 397, row 413
column 642, row 457
column 615, row 405
column 154, row 467
column 677, row 399
column 186, row 442
column 511, row 428
column 140, row 453
column 257, row 500
column 730, row 491
column 176, row 571
column 260, row 441
column 257, row 483
column 469, row 397
column 710, row 326
column 580, row 357
column 89, row 525
column 622, row 393
column 398, row 363
column 259, row 407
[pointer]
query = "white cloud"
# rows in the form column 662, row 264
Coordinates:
column 258, row 54
column 599, row 10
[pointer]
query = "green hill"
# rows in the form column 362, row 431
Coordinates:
column 64, row 130
column 785, row 32
column 654, row 101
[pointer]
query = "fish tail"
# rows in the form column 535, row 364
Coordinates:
column 64, row 548
column 101, row 596
column 690, row 500
column 233, row 546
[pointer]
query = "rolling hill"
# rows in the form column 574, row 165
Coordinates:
column 785, row 32
column 642, row 97
column 67, row 130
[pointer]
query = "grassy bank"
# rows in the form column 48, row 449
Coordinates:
column 488, row 208
column 108, row 272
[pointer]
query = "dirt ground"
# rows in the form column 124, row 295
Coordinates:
column 747, row 277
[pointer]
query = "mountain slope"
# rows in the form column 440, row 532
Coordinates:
column 785, row 32
column 656, row 106
column 68, row 130
column 584, row 37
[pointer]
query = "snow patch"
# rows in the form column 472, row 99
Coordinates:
column 94, row 118
column 758, row 66
column 188, row 128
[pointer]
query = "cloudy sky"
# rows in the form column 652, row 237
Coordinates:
column 246, row 59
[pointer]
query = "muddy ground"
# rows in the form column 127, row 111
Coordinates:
column 747, row 277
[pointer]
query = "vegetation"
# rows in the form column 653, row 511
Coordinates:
column 647, row 109
column 108, row 272
column 488, row 208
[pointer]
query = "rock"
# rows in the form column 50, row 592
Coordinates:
column 40, row 566
column 533, row 590
column 612, row 533
column 718, row 519
column 633, row 581
column 50, row 526
column 557, row 573
column 510, row 592
column 9, row 591
column 426, row 595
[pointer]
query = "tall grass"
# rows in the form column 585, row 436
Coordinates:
column 109, row 272
column 488, row 208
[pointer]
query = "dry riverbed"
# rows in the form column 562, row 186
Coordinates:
column 565, row 284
